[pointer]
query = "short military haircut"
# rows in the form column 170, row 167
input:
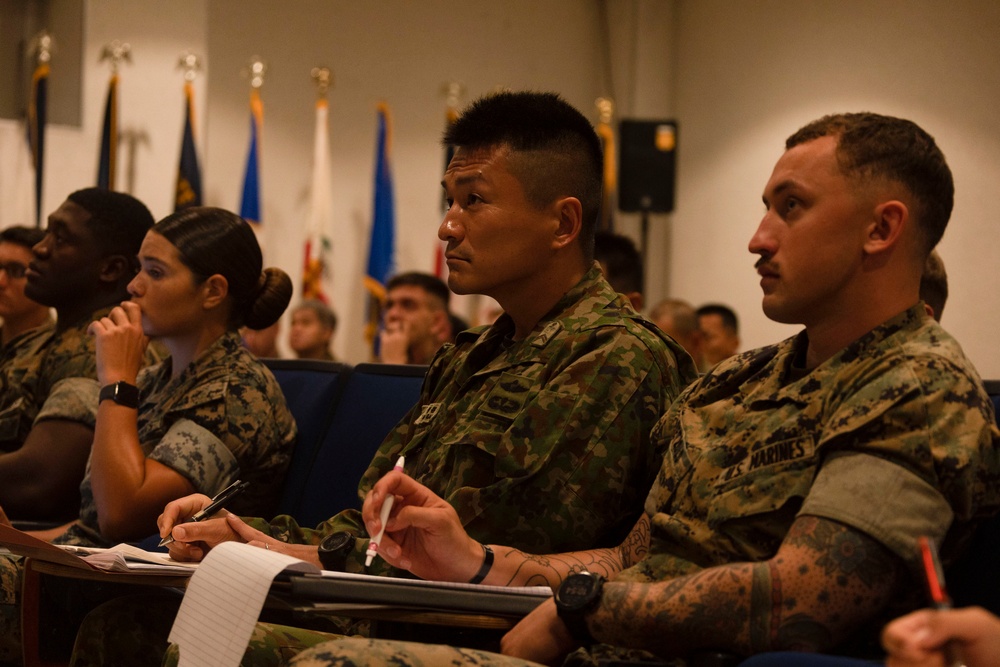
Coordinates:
column 729, row 319
column 327, row 318
column 934, row 284
column 119, row 221
column 25, row 237
column 871, row 147
column 425, row 281
column 682, row 314
column 622, row 261
column 554, row 149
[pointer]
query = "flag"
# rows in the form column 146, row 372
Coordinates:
column 37, row 111
column 320, row 211
column 380, row 254
column 250, row 200
column 188, row 191
column 449, row 152
column 109, row 138
column 610, row 181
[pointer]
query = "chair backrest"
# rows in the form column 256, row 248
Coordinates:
column 312, row 391
column 975, row 578
column 376, row 397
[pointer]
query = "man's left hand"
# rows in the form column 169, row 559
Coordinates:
column 541, row 636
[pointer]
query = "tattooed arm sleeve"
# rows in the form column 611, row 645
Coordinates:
column 824, row 582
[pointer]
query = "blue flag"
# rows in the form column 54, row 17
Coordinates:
column 37, row 111
column 109, row 138
column 382, row 249
column 250, row 200
column 188, row 191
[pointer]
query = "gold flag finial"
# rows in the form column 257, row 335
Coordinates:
column 453, row 92
column 117, row 52
column 41, row 47
column 191, row 64
column 323, row 77
column 605, row 109
column 256, row 71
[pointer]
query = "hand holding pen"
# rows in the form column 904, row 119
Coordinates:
column 217, row 503
column 939, row 595
column 383, row 518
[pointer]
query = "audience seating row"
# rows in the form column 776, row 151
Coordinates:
column 343, row 414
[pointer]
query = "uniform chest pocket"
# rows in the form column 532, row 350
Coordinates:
column 765, row 480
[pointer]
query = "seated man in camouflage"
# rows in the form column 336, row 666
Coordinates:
column 536, row 429
column 48, row 397
column 798, row 476
column 22, row 317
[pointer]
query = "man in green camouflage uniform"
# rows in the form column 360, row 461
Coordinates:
column 535, row 429
column 799, row 476
column 48, row 400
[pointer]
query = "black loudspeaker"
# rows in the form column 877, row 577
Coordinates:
column 646, row 165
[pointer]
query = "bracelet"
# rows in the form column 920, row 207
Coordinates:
column 487, row 565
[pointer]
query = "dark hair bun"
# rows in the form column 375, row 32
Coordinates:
column 274, row 291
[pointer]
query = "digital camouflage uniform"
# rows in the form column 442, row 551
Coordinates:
column 894, row 436
column 44, row 371
column 224, row 418
column 541, row 444
column 21, row 343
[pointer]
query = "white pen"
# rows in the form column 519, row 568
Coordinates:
column 383, row 517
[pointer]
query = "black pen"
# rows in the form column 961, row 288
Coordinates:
column 218, row 501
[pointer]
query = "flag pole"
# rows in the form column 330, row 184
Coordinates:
column 41, row 48
column 187, row 191
column 116, row 52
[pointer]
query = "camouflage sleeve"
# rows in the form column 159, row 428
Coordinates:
column 73, row 399
column 848, row 486
column 198, row 455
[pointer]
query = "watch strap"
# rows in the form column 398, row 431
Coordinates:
column 121, row 393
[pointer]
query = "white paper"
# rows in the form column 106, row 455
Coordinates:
column 223, row 601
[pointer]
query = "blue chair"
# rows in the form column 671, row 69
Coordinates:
column 312, row 391
column 374, row 399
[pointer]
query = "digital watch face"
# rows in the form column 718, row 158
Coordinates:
column 576, row 589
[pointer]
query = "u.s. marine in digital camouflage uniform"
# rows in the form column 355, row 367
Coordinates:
column 798, row 477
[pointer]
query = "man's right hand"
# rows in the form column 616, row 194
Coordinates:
column 423, row 534
column 394, row 343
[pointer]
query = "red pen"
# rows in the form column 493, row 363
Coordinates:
column 938, row 593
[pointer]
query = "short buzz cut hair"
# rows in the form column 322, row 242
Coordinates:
column 728, row 315
column 934, row 284
column 119, row 221
column 555, row 150
column 324, row 313
column 621, row 260
column 26, row 237
column 872, row 146
column 425, row 281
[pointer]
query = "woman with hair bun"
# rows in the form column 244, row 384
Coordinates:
column 209, row 414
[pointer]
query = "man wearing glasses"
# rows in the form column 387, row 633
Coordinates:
column 23, row 319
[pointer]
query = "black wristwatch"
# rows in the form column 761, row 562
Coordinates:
column 121, row 393
column 578, row 594
column 333, row 550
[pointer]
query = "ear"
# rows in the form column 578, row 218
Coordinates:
column 569, row 212
column 115, row 269
column 886, row 229
column 215, row 290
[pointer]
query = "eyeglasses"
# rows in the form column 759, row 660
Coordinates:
column 14, row 270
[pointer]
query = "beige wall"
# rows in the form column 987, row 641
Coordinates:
column 749, row 77
column 738, row 76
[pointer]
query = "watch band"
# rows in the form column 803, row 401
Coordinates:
column 121, row 393
column 575, row 598
column 486, row 566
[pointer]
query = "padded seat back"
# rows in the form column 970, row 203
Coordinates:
column 312, row 390
column 376, row 397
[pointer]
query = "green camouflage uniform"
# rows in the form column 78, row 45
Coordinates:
column 22, row 343
column 542, row 444
column 893, row 436
column 43, row 373
column 223, row 418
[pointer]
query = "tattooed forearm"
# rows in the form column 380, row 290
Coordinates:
column 517, row 568
column 825, row 582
